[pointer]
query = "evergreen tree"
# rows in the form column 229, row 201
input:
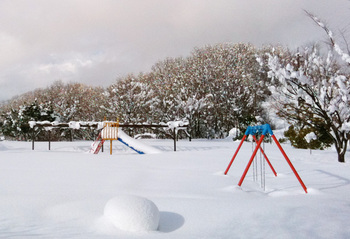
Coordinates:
column 16, row 123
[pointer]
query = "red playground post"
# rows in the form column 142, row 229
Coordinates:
column 290, row 163
column 263, row 130
column 251, row 160
column 234, row 156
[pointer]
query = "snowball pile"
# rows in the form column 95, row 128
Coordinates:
column 132, row 213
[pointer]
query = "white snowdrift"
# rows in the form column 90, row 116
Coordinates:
column 132, row 213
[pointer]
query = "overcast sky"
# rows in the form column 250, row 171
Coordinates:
column 96, row 41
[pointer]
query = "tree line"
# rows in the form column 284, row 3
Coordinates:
column 216, row 88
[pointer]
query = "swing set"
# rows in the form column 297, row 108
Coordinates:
column 262, row 130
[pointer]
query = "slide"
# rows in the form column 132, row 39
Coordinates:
column 135, row 144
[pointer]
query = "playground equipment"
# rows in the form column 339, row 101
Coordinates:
column 262, row 130
column 173, row 126
column 109, row 132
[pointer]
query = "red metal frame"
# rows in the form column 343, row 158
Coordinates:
column 239, row 147
column 234, row 156
column 251, row 160
column 290, row 163
column 258, row 146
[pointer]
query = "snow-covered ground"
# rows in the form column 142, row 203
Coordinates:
column 62, row 193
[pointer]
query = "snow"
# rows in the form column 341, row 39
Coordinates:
column 132, row 213
column 177, row 124
column 310, row 136
column 234, row 132
column 146, row 136
column 136, row 144
column 63, row 193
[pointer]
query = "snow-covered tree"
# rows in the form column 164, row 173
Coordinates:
column 344, row 54
column 215, row 88
column 311, row 90
column 131, row 100
column 229, row 74
column 16, row 123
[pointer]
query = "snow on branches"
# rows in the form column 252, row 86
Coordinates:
column 345, row 56
column 312, row 90
column 215, row 88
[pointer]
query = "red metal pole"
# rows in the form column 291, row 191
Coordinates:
column 251, row 160
column 267, row 160
column 290, row 163
column 234, row 156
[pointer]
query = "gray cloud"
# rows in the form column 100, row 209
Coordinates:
column 96, row 41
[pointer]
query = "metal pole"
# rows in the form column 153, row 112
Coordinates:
column 264, row 168
column 174, row 135
column 49, row 140
column 261, row 175
column 250, row 161
column 267, row 160
column 33, row 138
column 254, row 164
column 290, row 163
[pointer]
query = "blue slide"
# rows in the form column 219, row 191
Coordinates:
column 138, row 151
column 135, row 144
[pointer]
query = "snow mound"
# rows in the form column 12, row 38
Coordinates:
column 234, row 133
column 132, row 213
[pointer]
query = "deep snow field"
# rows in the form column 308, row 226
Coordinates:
column 62, row 193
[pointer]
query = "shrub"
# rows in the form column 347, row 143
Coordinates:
column 296, row 135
